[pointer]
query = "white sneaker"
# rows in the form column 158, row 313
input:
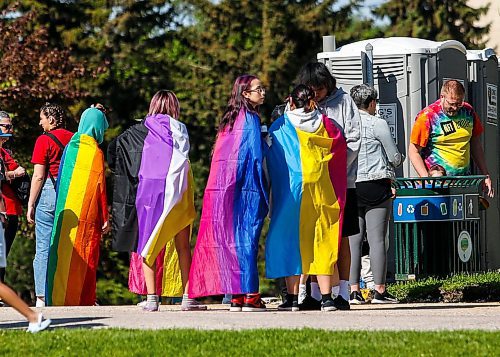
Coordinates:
column 142, row 303
column 39, row 302
column 191, row 304
column 38, row 326
column 302, row 295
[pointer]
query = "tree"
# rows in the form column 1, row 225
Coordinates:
column 436, row 20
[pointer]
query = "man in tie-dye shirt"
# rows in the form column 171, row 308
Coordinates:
column 446, row 133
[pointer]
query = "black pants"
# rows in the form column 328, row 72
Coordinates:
column 10, row 235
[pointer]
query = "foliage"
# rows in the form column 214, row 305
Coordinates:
column 478, row 287
column 436, row 20
column 277, row 342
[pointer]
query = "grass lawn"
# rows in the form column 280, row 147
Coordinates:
column 307, row 342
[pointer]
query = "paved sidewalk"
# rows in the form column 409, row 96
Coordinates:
column 421, row 317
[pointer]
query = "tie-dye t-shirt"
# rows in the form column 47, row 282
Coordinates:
column 445, row 140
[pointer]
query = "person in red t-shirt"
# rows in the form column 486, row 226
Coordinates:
column 41, row 204
column 13, row 207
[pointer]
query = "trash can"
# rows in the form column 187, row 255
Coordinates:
column 437, row 226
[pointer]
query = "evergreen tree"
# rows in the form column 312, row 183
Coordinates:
column 436, row 20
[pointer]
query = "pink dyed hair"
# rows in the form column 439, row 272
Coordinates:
column 165, row 102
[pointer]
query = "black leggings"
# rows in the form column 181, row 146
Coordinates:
column 10, row 235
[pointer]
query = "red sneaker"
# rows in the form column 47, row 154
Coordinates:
column 236, row 303
column 253, row 303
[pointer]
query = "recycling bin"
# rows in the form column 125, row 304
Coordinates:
column 437, row 226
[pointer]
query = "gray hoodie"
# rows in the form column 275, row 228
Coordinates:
column 340, row 107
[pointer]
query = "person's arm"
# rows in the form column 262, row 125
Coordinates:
column 477, row 153
column 383, row 134
column 352, row 129
column 36, row 186
column 416, row 160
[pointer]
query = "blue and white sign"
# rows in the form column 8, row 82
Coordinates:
column 428, row 208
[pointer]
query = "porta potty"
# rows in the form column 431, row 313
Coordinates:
column 483, row 78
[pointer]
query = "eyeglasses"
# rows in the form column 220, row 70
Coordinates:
column 261, row 90
column 7, row 126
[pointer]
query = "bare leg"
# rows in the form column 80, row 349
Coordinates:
column 324, row 282
column 344, row 261
column 292, row 284
column 149, row 277
column 10, row 297
column 335, row 276
column 303, row 279
column 184, row 252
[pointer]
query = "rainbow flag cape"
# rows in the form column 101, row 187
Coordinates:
column 308, row 188
column 165, row 194
column 81, row 210
column 234, row 208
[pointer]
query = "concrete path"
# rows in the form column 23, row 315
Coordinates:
column 368, row 317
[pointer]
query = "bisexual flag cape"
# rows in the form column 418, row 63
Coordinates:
column 81, row 211
column 153, row 197
column 308, row 189
column 234, row 208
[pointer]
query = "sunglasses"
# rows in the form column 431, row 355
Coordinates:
column 7, row 126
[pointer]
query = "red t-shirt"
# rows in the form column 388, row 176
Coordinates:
column 12, row 204
column 47, row 152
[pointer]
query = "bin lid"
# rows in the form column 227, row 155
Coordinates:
column 393, row 46
column 480, row 55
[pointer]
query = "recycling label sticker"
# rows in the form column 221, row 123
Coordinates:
column 464, row 246
column 491, row 103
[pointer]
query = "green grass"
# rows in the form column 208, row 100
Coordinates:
column 113, row 342
column 478, row 287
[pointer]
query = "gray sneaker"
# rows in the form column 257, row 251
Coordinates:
column 192, row 305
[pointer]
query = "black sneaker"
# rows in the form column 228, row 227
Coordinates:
column 341, row 303
column 328, row 305
column 289, row 305
column 384, row 298
column 356, row 298
column 309, row 304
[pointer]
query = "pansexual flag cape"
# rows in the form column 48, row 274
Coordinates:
column 308, row 177
column 81, row 211
column 168, row 276
column 234, row 208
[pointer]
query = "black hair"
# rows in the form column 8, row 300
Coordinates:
column 316, row 75
column 303, row 97
column 54, row 111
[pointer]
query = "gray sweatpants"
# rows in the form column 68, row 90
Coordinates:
column 373, row 221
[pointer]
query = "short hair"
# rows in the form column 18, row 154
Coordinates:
column 316, row 75
column 4, row 115
column 363, row 95
column 452, row 86
column 54, row 111
column 165, row 102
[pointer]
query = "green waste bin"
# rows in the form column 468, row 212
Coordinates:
column 437, row 226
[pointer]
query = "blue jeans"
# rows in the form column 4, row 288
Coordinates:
column 44, row 220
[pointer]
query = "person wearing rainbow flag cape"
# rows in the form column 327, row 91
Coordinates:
column 234, row 205
column 81, row 216
column 308, row 175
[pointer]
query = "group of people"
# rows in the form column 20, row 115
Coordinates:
column 322, row 173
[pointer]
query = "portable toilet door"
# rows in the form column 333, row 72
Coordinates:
column 483, row 96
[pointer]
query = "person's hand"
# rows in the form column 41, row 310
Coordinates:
column 268, row 140
column 105, row 228
column 30, row 215
column 488, row 187
column 20, row 171
column 393, row 190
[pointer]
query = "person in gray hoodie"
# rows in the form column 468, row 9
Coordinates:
column 337, row 105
